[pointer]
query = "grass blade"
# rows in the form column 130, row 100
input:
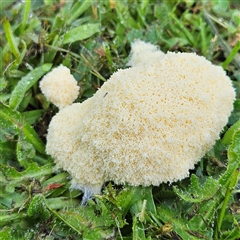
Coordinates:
column 25, row 84
column 78, row 9
column 232, row 55
column 138, row 229
column 25, row 19
column 230, row 188
column 184, row 30
column 81, row 32
column 10, row 38
column 224, row 44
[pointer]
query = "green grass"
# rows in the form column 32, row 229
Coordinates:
column 93, row 39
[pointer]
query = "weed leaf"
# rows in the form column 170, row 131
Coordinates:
column 196, row 192
column 38, row 208
column 180, row 225
column 12, row 124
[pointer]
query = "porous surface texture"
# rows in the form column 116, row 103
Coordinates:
column 70, row 153
column 146, row 125
column 152, row 124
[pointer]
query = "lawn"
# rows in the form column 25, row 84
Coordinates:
column 93, row 39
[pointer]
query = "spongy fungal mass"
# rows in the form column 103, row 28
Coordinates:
column 148, row 124
column 60, row 87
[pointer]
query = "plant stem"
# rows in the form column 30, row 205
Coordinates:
column 231, row 186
